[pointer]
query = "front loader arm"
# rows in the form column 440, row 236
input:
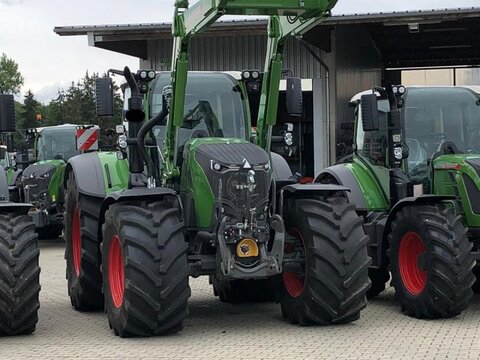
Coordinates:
column 288, row 16
column 280, row 29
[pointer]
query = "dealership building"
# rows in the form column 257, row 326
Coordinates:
column 338, row 58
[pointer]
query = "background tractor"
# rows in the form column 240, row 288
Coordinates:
column 41, row 183
column 191, row 192
column 415, row 179
column 19, row 269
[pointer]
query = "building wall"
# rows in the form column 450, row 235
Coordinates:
column 358, row 66
column 232, row 53
column 441, row 77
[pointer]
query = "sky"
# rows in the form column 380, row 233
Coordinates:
column 49, row 62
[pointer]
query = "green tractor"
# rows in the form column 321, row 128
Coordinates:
column 41, row 183
column 189, row 193
column 415, row 179
column 19, row 254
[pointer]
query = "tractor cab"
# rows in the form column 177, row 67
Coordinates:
column 57, row 142
column 219, row 113
column 437, row 123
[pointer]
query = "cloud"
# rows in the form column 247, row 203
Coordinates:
column 13, row 2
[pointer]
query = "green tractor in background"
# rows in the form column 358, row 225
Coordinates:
column 41, row 183
column 19, row 254
column 191, row 192
column 415, row 179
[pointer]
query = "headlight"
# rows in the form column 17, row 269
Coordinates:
column 143, row 74
column 122, row 141
column 152, row 74
column 215, row 166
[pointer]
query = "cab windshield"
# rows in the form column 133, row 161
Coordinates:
column 434, row 116
column 213, row 107
column 57, row 143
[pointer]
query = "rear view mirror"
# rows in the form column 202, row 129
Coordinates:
column 104, row 96
column 294, row 96
column 7, row 113
column 369, row 109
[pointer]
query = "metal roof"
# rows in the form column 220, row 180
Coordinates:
column 407, row 39
column 259, row 23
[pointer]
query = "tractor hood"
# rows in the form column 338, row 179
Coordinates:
column 230, row 153
column 39, row 170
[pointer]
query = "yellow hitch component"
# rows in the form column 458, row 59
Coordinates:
column 247, row 248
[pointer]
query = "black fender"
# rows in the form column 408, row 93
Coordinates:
column 345, row 177
column 410, row 201
column 7, row 207
column 139, row 194
column 88, row 174
column 307, row 189
column 280, row 167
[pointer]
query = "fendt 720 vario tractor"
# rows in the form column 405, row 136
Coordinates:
column 189, row 193
column 19, row 268
column 415, row 178
column 41, row 183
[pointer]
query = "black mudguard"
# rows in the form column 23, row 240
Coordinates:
column 345, row 177
column 88, row 174
column 418, row 200
column 137, row 194
column 307, row 190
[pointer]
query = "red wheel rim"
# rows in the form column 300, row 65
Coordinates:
column 116, row 271
column 76, row 241
column 411, row 247
column 294, row 283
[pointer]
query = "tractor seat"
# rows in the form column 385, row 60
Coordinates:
column 448, row 148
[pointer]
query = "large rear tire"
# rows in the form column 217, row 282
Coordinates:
column 431, row 262
column 82, row 250
column 145, row 269
column 331, row 286
column 19, row 275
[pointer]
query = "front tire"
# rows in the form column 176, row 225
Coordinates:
column 330, row 285
column 82, row 250
column 19, row 275
column 145, row 269
column 431, row 262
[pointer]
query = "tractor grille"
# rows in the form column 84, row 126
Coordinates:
column 35, row 181
column 236, row 161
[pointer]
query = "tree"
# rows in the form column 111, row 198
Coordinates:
column 76, row 105
column 11, row 80
column 30, row 109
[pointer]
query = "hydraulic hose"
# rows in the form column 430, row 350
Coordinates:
column 144, row 130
